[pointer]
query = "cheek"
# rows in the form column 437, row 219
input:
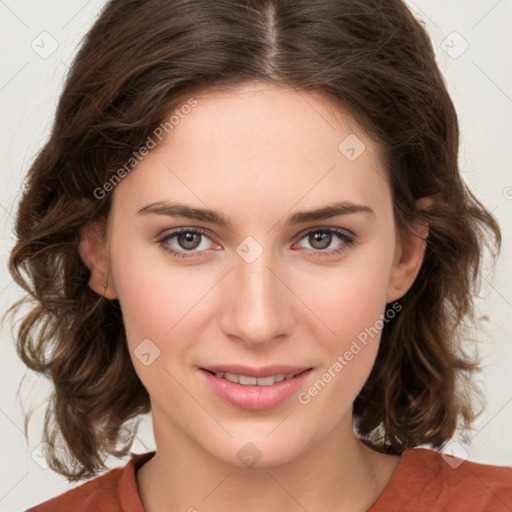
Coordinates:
column 350, row 352
column 155, row 298
column 351, row 298
column 352, row 305
column 160, row 320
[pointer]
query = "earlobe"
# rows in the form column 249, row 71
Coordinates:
column 92, row 251
column 409, row 256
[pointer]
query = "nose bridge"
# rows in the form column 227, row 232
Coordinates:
column 258, row 308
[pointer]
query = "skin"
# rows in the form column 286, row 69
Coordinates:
column 256, row 154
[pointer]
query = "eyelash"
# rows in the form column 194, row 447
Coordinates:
column 348, row 240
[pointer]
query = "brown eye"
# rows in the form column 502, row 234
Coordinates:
column 189, row 240
column 327, row 241
column 320, row 240
column 186, row 243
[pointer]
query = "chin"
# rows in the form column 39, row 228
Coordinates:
column 257, row 451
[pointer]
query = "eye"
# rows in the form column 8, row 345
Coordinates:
column 328, row 241
column 185, row 240
column 191, row 242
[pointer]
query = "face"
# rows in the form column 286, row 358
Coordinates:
column 261, row 288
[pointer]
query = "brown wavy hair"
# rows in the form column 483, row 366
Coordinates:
column 140, row 59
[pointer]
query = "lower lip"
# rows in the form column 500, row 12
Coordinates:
column 255, row 398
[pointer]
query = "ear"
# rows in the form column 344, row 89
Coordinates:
column 92, row 249
column 409, row 255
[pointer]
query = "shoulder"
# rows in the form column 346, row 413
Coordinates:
column 428, row 480
column 111, row 492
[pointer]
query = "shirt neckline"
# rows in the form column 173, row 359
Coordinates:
column 130, row 496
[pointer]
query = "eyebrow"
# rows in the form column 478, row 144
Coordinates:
column 215, row 217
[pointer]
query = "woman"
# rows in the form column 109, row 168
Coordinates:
column 249, row 221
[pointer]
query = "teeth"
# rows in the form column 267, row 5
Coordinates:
column 248, row 381
column 254, row 381
column 231, row 377
column 263, row 381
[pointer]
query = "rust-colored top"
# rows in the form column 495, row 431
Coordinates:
column 423, row 481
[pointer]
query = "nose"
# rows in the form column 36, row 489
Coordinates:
column 258, row 305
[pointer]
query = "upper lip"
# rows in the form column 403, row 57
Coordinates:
column 262, row 371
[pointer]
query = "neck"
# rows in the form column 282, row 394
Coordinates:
column 336, row 474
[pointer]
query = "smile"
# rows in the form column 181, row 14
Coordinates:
column 255, row 392
column 255, row 381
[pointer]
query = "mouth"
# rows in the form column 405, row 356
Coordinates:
column 247, row 380
column 255, row 389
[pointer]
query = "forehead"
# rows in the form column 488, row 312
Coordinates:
column 260, row 146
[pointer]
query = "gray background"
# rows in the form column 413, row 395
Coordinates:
column 473, row 42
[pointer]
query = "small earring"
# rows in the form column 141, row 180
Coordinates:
column 105, row 285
